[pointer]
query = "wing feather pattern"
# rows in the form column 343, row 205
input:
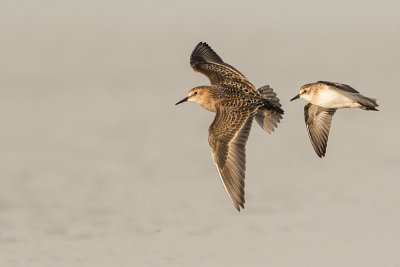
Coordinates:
column 228, row 135
column 318, row 121
column 205, row 61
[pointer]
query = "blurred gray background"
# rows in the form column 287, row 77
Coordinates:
column 99, row 168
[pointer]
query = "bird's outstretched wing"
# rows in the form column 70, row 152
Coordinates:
column 204, row 60
column 318, row 122
column 228, row 135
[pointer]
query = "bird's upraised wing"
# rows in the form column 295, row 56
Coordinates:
column 228, row 135
column 340, row 86
column 205, row 61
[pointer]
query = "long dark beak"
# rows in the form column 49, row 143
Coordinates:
column 183, row 100
column 294, row 98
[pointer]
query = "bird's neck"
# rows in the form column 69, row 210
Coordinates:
column 207, row 100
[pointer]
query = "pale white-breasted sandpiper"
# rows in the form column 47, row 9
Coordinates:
column 324, row 99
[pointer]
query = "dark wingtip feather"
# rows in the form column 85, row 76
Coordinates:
column 239, row 207
column 320, row 149
column 204, row 53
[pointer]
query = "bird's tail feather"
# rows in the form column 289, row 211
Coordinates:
column 368, row 103
column 269, row 115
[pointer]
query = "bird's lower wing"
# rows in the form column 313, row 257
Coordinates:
column 318, row 122
column 228, row 135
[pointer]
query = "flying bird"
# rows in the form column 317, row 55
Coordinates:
column 324, row 99
column 236, row 102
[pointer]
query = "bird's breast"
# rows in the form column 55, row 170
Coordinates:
column 331, row 99
column 209, row 105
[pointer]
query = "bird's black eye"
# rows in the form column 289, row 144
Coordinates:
column 195, row 93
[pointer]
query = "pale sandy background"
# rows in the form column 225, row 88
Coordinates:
column 99, row 168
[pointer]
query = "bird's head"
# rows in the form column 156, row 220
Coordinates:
column 197, row 94
column 305, row 92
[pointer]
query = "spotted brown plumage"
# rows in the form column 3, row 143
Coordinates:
column 236, row 102
column 204, row 60
column 228, row 135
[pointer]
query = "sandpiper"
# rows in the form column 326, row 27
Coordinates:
column 236, row 102
column 324, row 99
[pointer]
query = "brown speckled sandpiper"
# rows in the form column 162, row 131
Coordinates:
column 236, row 102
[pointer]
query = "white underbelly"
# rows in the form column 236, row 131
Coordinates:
column 332, row 99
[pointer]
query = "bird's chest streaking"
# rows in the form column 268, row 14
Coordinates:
column 329, row 98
